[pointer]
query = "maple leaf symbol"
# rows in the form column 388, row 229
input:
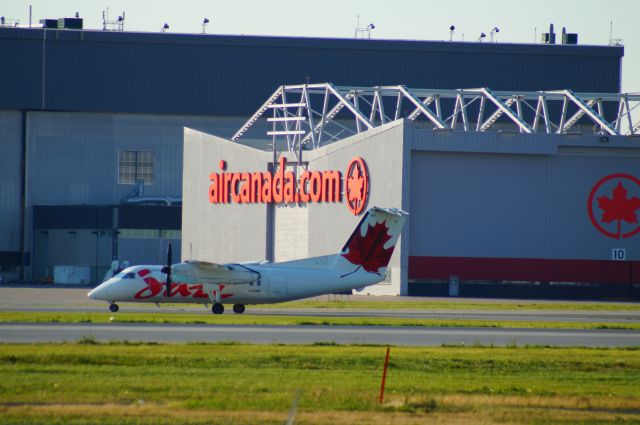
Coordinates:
column 355, row 183
column 619, row 208
column 368, row 252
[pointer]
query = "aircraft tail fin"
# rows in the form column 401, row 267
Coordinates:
column 370, row 246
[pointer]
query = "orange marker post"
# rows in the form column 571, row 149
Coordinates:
column 384, row 374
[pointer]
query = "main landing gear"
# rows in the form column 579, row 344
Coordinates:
column 114, row 307
column 219, row 308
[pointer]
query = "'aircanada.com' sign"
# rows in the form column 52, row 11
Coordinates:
column 281, row 186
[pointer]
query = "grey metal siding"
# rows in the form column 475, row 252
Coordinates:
column 492, row 198
column 81, row 149
column 10, row 179
column 21, row 72
column 233, row 75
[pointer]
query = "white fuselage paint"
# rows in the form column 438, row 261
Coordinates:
column 277, row 283
column 363, row 261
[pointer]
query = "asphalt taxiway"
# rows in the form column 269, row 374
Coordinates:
column 21, row 298
column 413, row 336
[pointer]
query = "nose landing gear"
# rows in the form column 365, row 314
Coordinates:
column 114, row 307
column 238, row 308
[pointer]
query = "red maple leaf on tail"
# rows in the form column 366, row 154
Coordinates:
column 368, row 252
column 619, row 208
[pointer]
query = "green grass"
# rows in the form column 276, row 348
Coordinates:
column 511, row 305
column 127, row 383
column 368, row 303
column 234, row 319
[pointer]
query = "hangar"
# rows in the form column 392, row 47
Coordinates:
column 524, row 208
column 92, row 122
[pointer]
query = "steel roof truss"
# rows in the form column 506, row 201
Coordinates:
column 367, row 107
column 426, row 111
column 516, row 118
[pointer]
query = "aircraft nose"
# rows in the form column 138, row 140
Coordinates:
column 99, row 293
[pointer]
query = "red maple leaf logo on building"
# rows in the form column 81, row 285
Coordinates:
column 357, row 185
column 369, row 252
column 619, row 207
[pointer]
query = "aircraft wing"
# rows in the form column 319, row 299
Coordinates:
column 206, row 272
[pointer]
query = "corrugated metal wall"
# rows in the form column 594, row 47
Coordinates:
column 514, row 201
column 81, row 151
column 233, row 75
column 10, row 178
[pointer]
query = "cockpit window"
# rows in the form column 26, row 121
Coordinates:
column 126, row 275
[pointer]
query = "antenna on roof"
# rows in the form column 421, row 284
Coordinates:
column 482, row 37
column 164, row 28
column 205, row 21
column 363, row 30
column 613, row 41
column 452, row 30
column 112, row 25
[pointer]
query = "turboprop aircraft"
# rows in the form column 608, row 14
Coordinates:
column 362, row 262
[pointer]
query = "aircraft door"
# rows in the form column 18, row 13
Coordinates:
column 278, row 286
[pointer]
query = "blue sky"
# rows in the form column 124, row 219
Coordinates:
column 518, row 20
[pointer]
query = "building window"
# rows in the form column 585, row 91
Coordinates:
column 139, row 234
column 149, row 234
column 136, row 166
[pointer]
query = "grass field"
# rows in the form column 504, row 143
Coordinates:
column 235, row 319
column 87, row 383
column 452, row 304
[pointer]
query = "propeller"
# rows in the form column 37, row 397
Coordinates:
column 167, row 270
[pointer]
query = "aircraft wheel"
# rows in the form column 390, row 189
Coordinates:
column 217, row 309
column 114, row 307
column 238, row 308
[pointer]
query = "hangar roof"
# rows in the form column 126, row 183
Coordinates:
column 101, row 71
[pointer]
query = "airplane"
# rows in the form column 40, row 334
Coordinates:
column 362, row 262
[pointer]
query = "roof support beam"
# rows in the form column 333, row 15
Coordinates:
column 364, row 109
column 433, row 118
column 524, row 127
column 590, row 112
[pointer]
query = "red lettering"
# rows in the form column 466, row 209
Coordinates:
column 153, row 288
column 267, row 196
column 226, row 189
column 213, row 188
column 331, row 186
column 235, row 179
column 315, row 186
column 198, row 291
column 289, row 187
column 256, row 187
column 179, row 289
column 304, row 179
column 278, row 183
column 245, row 185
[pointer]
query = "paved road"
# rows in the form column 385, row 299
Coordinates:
column 413, row 336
